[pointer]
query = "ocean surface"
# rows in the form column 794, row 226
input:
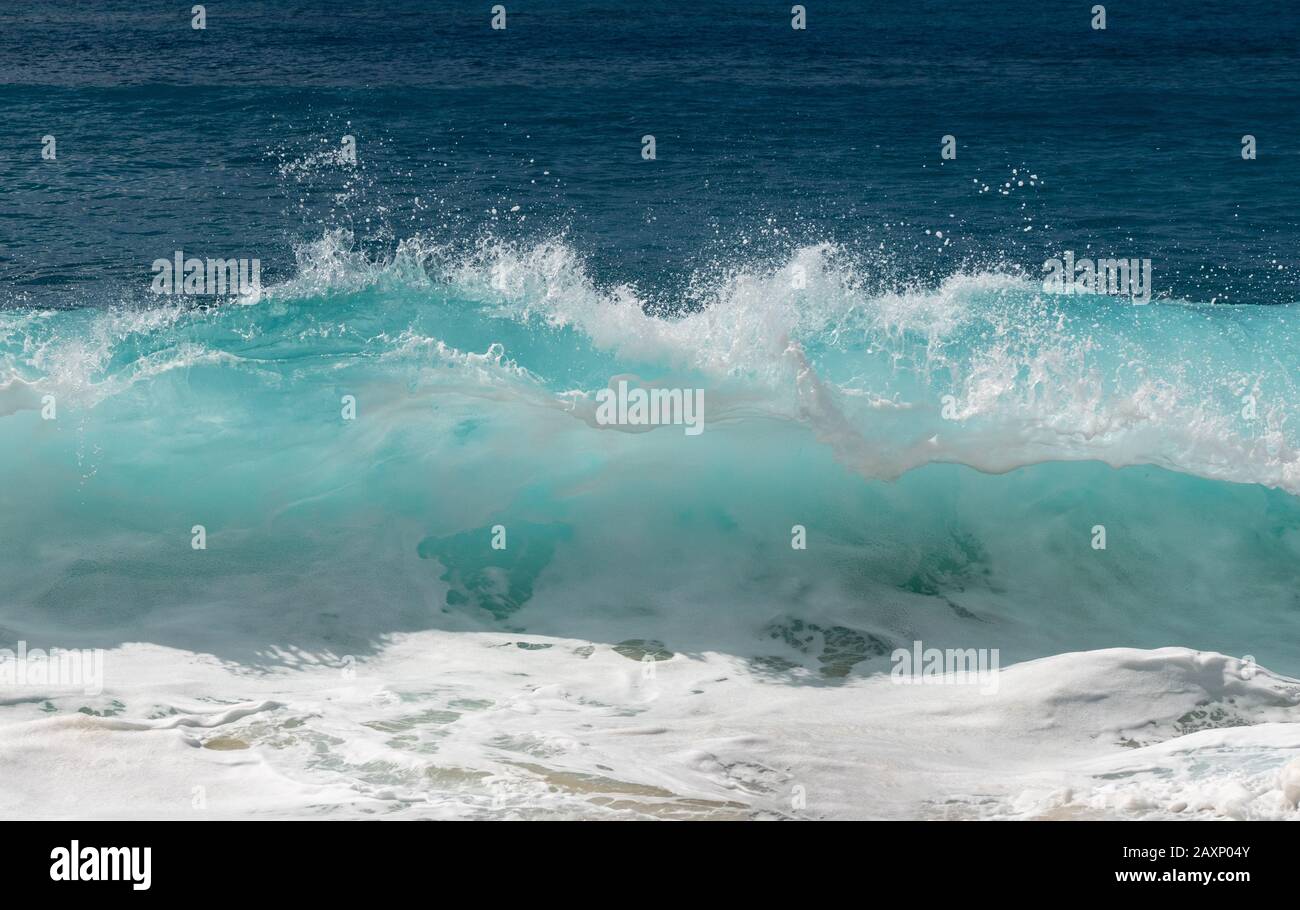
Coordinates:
column 275, row 513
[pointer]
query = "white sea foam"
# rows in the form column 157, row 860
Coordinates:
column 529, row 726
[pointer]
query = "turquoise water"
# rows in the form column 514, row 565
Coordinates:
column 824, row 407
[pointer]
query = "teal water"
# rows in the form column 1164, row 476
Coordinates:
column 1173, row 425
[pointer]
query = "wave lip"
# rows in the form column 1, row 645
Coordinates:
column 984, row 370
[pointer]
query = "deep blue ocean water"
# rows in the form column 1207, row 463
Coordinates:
column 767, row 137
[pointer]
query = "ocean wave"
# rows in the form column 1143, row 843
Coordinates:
column 984, row 370
column 351, row 443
